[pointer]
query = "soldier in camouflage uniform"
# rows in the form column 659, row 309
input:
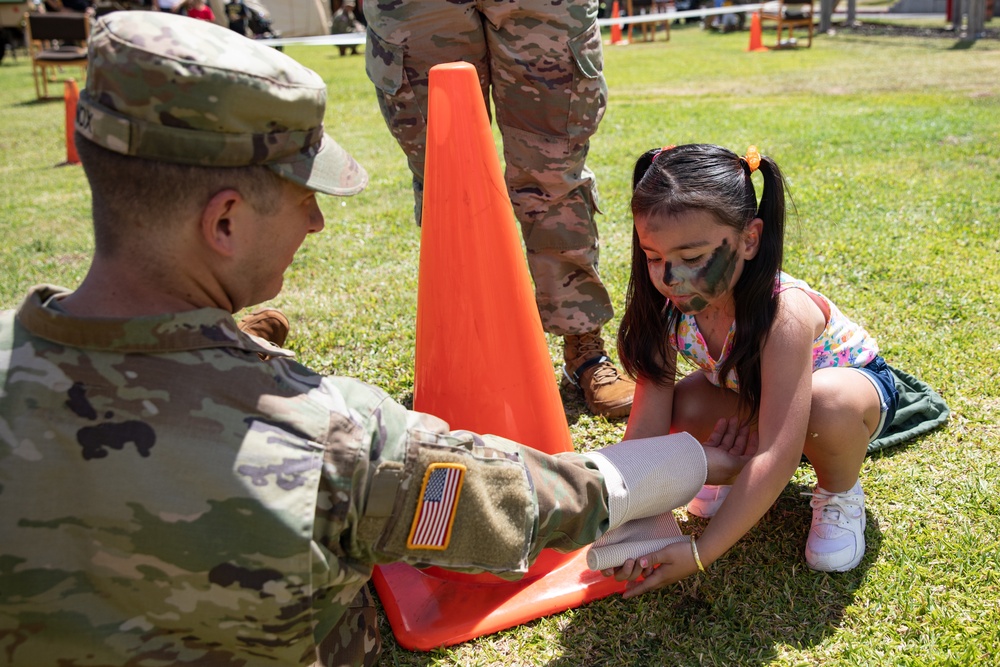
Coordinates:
column 343, row 22
column 176, row 491
column 543, row 61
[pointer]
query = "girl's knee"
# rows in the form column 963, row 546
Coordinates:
column 698, row 405
column 841, row 397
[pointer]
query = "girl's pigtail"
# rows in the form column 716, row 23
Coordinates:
column 755, row 296
column 642, row 165
column 772, row 202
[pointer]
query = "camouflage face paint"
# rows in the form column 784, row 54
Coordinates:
column 692, row 287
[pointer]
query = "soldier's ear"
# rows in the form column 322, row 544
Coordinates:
column 219, row 220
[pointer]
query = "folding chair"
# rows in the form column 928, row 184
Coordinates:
column 56, row 40
column 789, row 14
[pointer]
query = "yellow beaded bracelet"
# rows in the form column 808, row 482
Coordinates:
column 697, row 558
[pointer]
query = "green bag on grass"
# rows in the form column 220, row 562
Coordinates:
column 920, row 410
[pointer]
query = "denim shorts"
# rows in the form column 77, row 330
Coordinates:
column 879, row 375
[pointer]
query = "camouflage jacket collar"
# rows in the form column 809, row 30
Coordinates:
column 192, row 330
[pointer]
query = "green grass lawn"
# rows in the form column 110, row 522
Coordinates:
column 892, row 150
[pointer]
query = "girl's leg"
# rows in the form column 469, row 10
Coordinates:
column 845, row 412
column 699, row 405
column 697, row 408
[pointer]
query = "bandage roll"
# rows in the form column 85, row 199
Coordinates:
column 649, row 476
column 634, row 539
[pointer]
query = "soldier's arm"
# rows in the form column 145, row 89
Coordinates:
column 429, row 495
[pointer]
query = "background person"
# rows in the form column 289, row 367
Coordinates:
column 78, row 5
column 237, row 15
column 197, row 9
column 343, row 22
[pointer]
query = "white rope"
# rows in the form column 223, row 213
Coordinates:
column 669, row 16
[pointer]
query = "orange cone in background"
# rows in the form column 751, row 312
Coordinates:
column 616, row 28
column 70, row 96
column 482, row 364
column 755, row 42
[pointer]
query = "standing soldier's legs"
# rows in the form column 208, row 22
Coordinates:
column 404, row 41
column 549, row 94
column 543, row 58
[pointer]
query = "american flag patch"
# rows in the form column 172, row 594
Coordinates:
column 435, row 514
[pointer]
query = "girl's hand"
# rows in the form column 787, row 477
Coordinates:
column 631, row 569
column 660, row 568
column 730, row 437
column 728, row 448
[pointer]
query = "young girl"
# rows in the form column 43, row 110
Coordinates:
column 771, row 352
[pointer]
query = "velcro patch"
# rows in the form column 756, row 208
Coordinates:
column 435, row 515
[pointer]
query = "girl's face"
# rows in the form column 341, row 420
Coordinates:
column 693, row 259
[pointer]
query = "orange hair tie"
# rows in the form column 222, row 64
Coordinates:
column 664, row 150
column 752, row 158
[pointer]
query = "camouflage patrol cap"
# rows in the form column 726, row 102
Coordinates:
column 175, row 89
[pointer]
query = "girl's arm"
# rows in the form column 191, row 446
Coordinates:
column 786, row 398
column 652, row 404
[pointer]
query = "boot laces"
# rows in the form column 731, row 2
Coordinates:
column 605, row 373
column 591, row 345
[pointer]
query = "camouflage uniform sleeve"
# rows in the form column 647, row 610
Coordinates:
column 426, row 495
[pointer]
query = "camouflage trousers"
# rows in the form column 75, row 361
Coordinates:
column 543, row 62
column 354, row 641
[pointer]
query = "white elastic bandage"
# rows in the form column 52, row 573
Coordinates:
column 651, row 475
column 637, row 538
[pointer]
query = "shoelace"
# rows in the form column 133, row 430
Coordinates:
column 841, row 503
column 591, row 345
column 605, row 373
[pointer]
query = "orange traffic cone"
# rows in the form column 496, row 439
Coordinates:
column 616, row 28
column 755, row 43
column 482, row 364
column 70, row 96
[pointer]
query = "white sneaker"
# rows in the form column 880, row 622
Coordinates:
column 837, row 536
column 709, row 500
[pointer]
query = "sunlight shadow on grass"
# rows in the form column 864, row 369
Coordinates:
column 760, row 597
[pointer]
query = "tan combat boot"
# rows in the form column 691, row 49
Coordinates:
column 267, row 323
column 607, row 393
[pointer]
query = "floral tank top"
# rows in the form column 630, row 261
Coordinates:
column 842, row 343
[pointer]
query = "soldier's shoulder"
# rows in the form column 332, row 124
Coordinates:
column 338, row 393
